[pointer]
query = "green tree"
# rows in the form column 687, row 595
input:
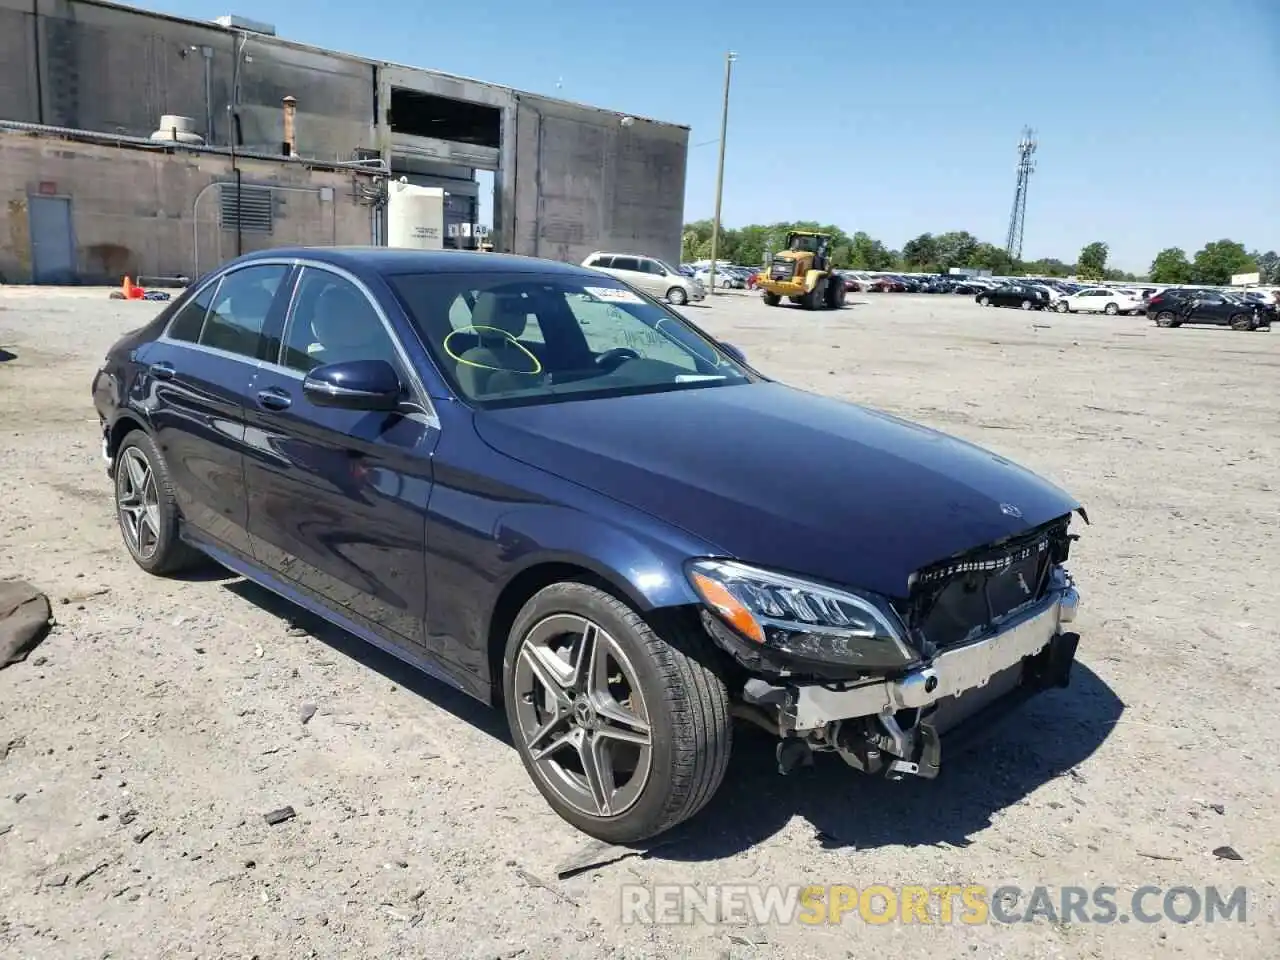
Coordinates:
column 1092, row 263
column 868, row 254
column 1268, row 266
column 955, row 249
column 1171, row 266
column 1047, row 267
column 1215, row 262
column 920, row 253
column 987, row 256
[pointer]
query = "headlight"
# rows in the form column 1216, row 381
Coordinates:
column 801, row 618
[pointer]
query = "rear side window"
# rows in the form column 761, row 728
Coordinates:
column 189, row 320
column 240, row 309
column 626, row 263
column 600, row 262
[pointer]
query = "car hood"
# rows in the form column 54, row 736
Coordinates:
column 785, row 479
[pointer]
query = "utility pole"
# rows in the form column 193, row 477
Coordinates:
column 724, row 130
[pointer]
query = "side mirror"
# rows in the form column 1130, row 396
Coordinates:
column 733, row 352
column 354, row 385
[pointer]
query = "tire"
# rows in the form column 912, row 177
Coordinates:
column 146, row 509
column 1027, row 304
column 689, row 729
column 1061, row 306
column 1166, row 318
column 677, row 297
column 771, row 299
column 1111, row 309
column 835, row 293
column 1242, row 321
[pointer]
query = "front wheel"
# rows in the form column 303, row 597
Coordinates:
column 1061, row 306
column 677, row 297
column 1243, row 321
column 771, row 299
column 1027, row 304
column 1111, row 309
column 984, row 301
column 836, row 293
column 624, row 731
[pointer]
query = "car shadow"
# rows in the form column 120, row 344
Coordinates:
column 5, row 355
column 466, row 708
column 1045, row 739
column 847, row 810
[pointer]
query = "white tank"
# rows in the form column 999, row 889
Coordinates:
column 415, row 216
column 174, row 127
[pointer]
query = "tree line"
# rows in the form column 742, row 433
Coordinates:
column 1214, row 263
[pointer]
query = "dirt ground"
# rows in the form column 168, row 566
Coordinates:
column 142, row 743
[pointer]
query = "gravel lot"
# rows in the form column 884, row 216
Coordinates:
column 142, row 743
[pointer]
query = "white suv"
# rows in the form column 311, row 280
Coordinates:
column 648, row 274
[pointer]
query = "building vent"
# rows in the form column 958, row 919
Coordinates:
column 256, row 213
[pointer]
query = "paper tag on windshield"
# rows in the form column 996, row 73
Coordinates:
column 696, row 377
column 613, row 295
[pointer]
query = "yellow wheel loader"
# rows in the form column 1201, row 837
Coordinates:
column 802, row 273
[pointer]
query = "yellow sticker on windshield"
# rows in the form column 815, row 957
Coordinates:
column 613, row 295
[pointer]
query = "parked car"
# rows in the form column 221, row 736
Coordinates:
column 522, row 477
column 1173, row 308
column 648, row 274
column 1101, row 300
column 1014, row 295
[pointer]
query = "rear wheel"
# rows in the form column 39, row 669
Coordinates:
column 624, row 731
column 984, row 301
column 146, row 509
column 771, row 299
column 1243, row 321
column 1167, row 319
column 1111, row 309
column 677, row 297
column 1061, row 306
column 1027, row 304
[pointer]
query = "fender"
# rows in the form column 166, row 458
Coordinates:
column 650, row 572
column 812, row 278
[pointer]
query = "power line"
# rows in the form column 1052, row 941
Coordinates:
column 1018, row 218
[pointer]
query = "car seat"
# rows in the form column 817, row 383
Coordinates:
column 497, row 364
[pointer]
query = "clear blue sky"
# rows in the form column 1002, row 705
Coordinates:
column 1158, row 120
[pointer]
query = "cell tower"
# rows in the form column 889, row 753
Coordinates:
column 1018, row 218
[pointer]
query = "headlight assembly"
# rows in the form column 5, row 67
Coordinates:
column 803, row 619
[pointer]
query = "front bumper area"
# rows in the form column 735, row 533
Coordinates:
column 895, row 726
column 783, row 288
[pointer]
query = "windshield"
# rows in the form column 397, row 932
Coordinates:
column 520, row 338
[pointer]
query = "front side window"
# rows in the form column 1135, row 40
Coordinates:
column 332, row 321
column 531, row 338
column 626, row 263
column 240, row 307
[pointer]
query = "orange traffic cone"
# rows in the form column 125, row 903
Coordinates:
column 130, row 291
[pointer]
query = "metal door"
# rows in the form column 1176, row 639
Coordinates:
column 53, row 250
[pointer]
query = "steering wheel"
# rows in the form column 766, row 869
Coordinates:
column 611, row 360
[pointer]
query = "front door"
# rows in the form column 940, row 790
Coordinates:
column 53, row 249
column 338, row 498
column 200, row 372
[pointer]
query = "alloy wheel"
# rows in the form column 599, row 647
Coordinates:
column 138, row 502
column 582, row 716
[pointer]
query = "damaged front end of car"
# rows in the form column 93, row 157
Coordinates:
column 879, row 681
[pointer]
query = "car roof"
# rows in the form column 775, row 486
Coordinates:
column 395, row 260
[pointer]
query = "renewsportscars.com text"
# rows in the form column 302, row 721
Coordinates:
column 972, row 904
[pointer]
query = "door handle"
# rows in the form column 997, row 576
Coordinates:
column 274, row 399
column 161, row 371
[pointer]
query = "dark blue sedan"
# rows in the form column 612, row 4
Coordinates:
column 551, row 491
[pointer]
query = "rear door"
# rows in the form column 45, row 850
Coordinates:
column 627, row 269
column 338, row 498
column 199, row 373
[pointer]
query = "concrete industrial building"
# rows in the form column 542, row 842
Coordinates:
column 567, row 179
